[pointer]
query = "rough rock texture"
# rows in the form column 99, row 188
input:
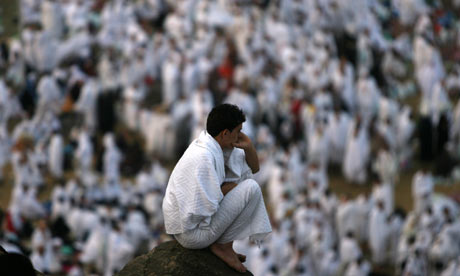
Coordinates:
column 170, row 258
column 2, row 251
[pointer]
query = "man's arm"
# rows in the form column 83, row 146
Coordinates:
column 244, row 142
column 227, row 187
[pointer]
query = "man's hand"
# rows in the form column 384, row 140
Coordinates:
column 227, row 187
column 244, row 142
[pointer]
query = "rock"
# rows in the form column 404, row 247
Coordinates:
column 3, row 252
column 170, row 258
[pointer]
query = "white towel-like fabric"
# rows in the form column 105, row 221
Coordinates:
column 193, row 193
column 241, row 214
column 194, row 207
column 236, row 168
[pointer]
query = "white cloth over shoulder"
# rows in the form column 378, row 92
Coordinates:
column 193, row 193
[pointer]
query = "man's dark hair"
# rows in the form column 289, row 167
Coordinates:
column 224, row 116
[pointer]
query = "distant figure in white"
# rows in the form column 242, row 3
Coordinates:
column 211, row 199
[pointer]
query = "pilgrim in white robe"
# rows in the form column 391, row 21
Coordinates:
column 368, row 97
column 160, row 174
column 276, row 183
column 316, row 178
column 119, row 252
column 349, row 249
column 323, row 104
column 364, row 49
column 5, row 148
column 405, row 128
column 329, row 263
column 84, row 152
column 356, row 156
column 455, row 128
column 56, row 155
column 190, row 76
column 52, row 17
column 439, row 102
column 135, row 228
column 409, row 10
column 243, row 99
column 108, row 72
column 358, row 268
column 76, row 46
column 49, row 96
column 394, row 68
column 452, row 269
column 383, row 191
column 60, row 203
column 133, row 96
column 423, row 240
column 212, row 217
column 280, row 248
column 443, row 249
column 41, row 236
column 38, row 260
column 302, row 225
column 378, row 233
column 416, row 264
column 318, row 146
column 202, row 102
column 170, row 76
column 45, row 47
column 87, row 101
column 361, row 217
column 261, row 262
column 346, row 218
column 88, row 219
column 76, row 15
column 74, row 220
column 95, row 248
column 31, row 208
column 395, row 234
column 338, row 129
column 329, row 203
column 386, row 167
column 343, row 82
column 386, row 130
column 422, row 189
column 112, row 159
column 4, row 101
column 111, row 188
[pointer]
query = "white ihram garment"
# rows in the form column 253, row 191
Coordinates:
column 56, row 155
column 196, row 211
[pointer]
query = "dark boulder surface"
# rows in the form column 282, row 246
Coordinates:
column 11, row 271
column 170, row 258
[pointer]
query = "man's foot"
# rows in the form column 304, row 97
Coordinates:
column 225, row 253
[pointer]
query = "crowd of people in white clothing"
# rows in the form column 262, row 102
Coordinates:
column 98, row 98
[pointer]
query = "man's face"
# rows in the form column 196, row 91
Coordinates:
column 231, row 137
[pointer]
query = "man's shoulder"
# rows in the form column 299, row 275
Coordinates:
column 196, row 155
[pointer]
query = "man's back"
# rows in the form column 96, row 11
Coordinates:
column 193, row 193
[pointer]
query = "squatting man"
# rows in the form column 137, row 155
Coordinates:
column 211, row 199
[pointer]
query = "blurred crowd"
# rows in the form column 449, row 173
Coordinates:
column 99, row 98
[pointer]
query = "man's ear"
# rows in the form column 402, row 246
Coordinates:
column 224, row 132
column 220, row 135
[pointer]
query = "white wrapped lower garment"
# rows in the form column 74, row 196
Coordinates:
column 241, row 214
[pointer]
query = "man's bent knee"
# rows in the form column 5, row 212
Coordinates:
column 251, row 186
